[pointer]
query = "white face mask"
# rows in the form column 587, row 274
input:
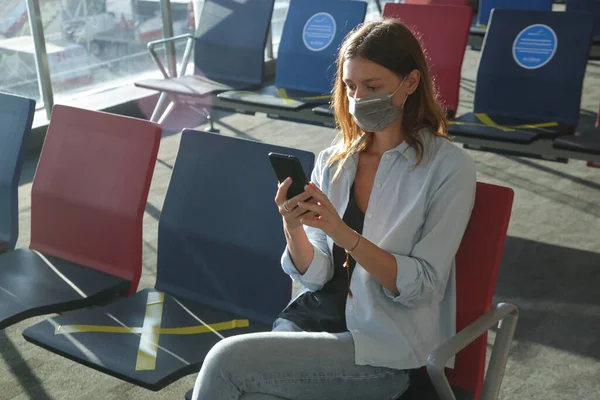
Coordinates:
column 375, row 112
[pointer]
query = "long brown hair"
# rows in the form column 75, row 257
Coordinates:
column 392, row 45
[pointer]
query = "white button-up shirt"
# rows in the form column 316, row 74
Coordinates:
column 419, row 215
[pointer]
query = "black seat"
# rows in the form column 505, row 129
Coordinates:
column 585, row 142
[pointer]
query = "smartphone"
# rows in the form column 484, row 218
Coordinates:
column 286, row 166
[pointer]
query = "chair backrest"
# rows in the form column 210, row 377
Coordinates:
column 311, row 37
column 444, row 33
column 231, row 39
column 90, row 189
column 220, row 236
column 532, row 65
column 591, row 6
column 16, row 114
column 486, row 7
column 477, row 263
column 438, row 2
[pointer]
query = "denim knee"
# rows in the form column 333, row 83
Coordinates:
column 225, row 356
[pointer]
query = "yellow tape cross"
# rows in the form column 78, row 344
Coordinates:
column 485, row 120
column 151, row 330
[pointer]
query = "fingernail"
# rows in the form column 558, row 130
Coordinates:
column 287, row 179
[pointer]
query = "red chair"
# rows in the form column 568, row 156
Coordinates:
column 477, row 263
column 88, row 199
column 439, row 2
column 444, row 33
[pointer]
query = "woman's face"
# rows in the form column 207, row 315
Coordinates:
column 364, row 78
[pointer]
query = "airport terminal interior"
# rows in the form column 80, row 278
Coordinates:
column 137, row 222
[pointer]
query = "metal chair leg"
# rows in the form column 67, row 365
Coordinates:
column 159, row 109
column 168, row 111
column 203, row 111
column 211, row 127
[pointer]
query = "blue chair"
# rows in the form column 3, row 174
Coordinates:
column 228, row 54
column 312, row 35
column 486, row 7
column 220, row 242
column 479, row 28
column 530, row 77
column 591, row 6
column 16, row 114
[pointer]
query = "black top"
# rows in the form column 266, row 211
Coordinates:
column 325, row 309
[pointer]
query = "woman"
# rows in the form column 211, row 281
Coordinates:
column 372, row 239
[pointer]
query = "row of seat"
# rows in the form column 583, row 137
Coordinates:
column 515, row 106
column 486, row 7
column 219, row 248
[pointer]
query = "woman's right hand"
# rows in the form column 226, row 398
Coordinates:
column 288, row 208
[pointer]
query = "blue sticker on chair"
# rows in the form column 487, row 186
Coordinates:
column 312, row 34
column 532, row 49
column 319, row 31
column 535, row 46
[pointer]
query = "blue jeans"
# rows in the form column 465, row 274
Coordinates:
column 291, row 364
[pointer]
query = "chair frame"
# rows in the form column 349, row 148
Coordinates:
column 504, row 314
column 167, row 102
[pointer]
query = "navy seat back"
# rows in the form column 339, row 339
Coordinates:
column 532, row 65
column 16, row 114
column 591, row 6
column 220, row 235
column 312, row 34
column 231, row 39
column 486, row 7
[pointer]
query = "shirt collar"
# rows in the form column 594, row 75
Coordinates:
column 407, row 151
column 403, row 148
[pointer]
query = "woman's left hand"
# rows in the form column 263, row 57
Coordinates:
column 327, row 218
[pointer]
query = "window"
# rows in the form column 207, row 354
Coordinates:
column 17, row 57
column 93, row 44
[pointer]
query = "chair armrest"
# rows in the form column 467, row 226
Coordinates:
column 3, row 247
column 186, row 55
column 505, row 313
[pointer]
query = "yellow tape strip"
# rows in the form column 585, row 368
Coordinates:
column 535, row 126
column 487, row 121
column 282, row 93
column 186, row 330
column 146, row 357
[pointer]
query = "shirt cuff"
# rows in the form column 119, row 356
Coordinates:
column 317, row 274
column 407, row 278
